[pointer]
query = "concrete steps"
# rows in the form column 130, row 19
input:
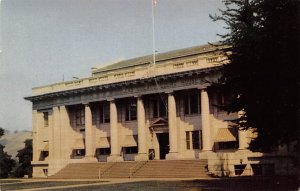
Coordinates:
column 133, row 169
column 172, row 169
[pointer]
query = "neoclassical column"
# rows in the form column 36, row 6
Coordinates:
column 114, row 134
column 173, row 142
column 89, row 133
column 141, row 123
column 206, row 134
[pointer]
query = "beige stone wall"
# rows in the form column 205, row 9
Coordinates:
column 62, row 134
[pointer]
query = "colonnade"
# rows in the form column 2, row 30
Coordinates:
column 141, row 127
column 90, row 130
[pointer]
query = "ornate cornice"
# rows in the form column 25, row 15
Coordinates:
column 130, row 88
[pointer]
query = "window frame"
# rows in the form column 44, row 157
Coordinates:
column 189, row 106
column 46, row 118
column 131, row 150
column 104, row 113
column 193, row 140
column 131, row 111
column 159, row 108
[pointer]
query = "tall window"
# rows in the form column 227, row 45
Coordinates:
column 131, row 111
column 192, row 104
column 192, row 140
column 80, row 116
column 159, row 108
column 188, row 140
column 46, row 119
column 104, row 113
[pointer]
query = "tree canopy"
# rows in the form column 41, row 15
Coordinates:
column 6, row 163
column 25, row 158
column 262, row 73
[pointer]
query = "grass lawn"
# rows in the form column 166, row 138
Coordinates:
column 41, row 184
column 224, row 184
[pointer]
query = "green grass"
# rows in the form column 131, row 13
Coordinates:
column 224, row 184
column 228, row 184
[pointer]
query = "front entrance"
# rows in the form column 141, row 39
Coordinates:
column 163, row 141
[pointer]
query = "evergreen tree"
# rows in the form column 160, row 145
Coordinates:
column 6, row 163
column 262, row 73
column 25, row 158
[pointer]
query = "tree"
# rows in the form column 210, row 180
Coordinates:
column 6, row 163
column 25, row 158
column 262, row 73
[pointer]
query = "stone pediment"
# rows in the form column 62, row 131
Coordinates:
column 159, row 122
column 159, row 125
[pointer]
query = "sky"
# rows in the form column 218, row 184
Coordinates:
column 48, row 41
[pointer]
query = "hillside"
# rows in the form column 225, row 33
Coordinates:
column 15, row 141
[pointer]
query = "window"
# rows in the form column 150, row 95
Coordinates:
column 79, row 152
column 131, row 150
column 192, row 139
column 46, row 119
column 104, row 113
column 43, row 155
column 131, row 111
column 159, row 108
column 192, row 104
column 104, row 151
column 195, row 139
column 45, row 171
column 228, row 145
column 80, row 116
column 188, row 140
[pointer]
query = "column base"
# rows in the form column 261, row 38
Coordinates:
column 141, row 157
column 115, row 158
column 172, row 156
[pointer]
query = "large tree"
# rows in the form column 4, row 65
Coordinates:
column 25, row 158
column 6, row 163
column 262, row 73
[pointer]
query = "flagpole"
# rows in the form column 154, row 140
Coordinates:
column 153, row 31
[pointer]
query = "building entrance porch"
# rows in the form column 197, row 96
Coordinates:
column 163, row 141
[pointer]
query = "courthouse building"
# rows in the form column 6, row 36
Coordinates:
column 137, row 110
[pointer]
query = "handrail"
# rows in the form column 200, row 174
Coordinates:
column 137, row 166
column 105, row 168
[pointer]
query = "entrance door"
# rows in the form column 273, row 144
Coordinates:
column 163, row 140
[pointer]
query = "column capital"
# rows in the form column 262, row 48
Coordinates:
column 203, row 86
column 170, row 92
column 111, row 99
column 55, row 108
column 138, row 96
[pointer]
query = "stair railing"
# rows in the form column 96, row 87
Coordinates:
column 136, row 167
column 105, row 168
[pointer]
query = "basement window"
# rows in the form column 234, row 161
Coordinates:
column 131, row 150
column 79, row 152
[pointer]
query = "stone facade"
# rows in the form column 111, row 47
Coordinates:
column 138, row 110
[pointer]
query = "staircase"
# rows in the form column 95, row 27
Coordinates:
column 134, row 169
column 79, row 171
column 173, row 169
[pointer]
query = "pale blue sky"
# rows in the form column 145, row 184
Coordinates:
column 44, row 40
